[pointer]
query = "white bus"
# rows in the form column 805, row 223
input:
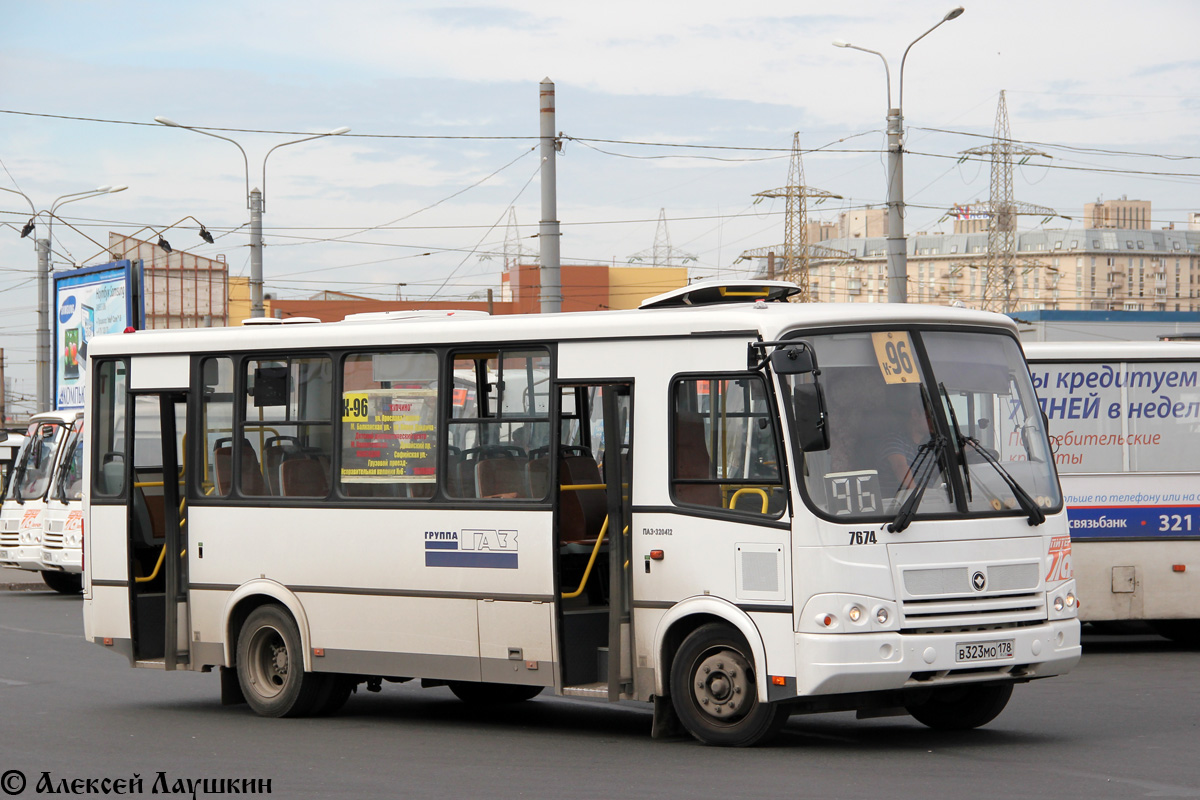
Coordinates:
column 696, row 503
column 62, row 521
column 25, row 501
column 1125, row 425
column 10, row 448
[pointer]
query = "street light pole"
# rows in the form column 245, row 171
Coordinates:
column 256, row 202
column 44, row 267
column 897, row 244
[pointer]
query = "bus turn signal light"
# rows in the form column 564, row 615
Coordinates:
column 656, row 555
column 778, row 680
column 1179, row 568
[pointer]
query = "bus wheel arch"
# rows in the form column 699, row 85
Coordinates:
column 249, row 597
column 689, row 615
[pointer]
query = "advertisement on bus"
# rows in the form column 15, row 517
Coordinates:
column 88, row 302
column 1122, row 433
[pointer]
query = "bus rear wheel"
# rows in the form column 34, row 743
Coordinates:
column 63, row 582
column 492, row 693
column 270, row 666
column 960, row 708
column 715, row 693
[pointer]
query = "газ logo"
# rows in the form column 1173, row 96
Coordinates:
column 471, row 547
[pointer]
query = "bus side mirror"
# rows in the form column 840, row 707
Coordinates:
column 792, row 361
column 809, row 424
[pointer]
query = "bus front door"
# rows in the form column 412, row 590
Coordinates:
column 592, row 523
column 157, row 525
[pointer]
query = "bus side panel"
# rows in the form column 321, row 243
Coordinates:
column 1117, row 582
column 394, row 592
column 106, row 559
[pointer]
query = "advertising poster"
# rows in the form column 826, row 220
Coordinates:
column 88, row 302
column 1121, row 434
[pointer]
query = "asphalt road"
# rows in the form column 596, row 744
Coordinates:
column 1124, row 724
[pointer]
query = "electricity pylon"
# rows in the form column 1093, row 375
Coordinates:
column 1002, row 211
column 795, row 251
column 662, row 254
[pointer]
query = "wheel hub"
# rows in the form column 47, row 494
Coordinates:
column 722, row 685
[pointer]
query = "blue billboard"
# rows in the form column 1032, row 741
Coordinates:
column 88, row 302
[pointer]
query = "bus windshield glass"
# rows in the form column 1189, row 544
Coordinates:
column 950, row 416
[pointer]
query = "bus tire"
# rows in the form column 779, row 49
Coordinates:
column 63, row 582
column 270, row 665
column 714, row 690
column 491, row 694
column 960, row 708
column 1181, row 631
column 335, row 691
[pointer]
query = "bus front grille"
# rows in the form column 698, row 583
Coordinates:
column 955, row 613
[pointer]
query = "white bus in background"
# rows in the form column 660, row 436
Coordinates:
column 62, row 521
column 695, row 504
column 10, row 448
column 1125, row 424
column 22, row 514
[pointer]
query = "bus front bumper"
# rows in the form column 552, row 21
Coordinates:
column 867, row 662
column 26, row 556
column 65, row 559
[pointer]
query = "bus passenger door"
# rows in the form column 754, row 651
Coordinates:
column 592, row 522
column 156, row 529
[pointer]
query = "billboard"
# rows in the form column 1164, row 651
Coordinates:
column 88, row 302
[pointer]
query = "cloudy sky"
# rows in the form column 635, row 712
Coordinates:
column 442, row 100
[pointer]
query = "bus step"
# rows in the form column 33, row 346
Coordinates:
column 598, row 690
column 151, row 663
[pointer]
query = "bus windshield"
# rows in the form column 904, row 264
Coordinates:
column 69, row 486
column 31, row 477
column 948, row 416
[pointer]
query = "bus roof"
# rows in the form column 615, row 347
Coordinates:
column 1112, row 351
column 768, row 320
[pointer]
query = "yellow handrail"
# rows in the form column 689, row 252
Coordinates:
column 162, row 554
column 587, row 572
column 733, row 500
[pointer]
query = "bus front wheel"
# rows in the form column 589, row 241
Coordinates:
column 63, row 582
column 715, row 692
column 270, row 665
column 960, row 708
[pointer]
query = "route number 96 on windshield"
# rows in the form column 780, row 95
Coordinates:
column 894, row 354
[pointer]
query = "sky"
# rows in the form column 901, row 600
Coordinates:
column 682, row 109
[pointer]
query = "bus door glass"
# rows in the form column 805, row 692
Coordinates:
column 156, row 529
column 594, row 467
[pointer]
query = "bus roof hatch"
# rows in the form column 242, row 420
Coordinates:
column 708, row 293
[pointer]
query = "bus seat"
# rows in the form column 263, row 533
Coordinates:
column 303, row 477
column 252, row 479
column 581, row 513
column 501, row 477
column 693, row 462
column 537, row 473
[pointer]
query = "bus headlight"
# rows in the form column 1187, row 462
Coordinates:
column 855, row 613
column 881, row 615
column 1059, row 603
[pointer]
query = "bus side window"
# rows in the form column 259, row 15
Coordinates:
column 724, row 449
column 108, row 428
column 389, row 426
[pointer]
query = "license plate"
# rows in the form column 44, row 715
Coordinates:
column 983, row 651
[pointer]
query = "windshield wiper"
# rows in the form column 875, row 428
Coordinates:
column 961, row 440
column 1027, row 503
column 923, row 467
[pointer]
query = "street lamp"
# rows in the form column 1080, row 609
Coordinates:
column 256, row 202
column 44, row 267
column 897, row 249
